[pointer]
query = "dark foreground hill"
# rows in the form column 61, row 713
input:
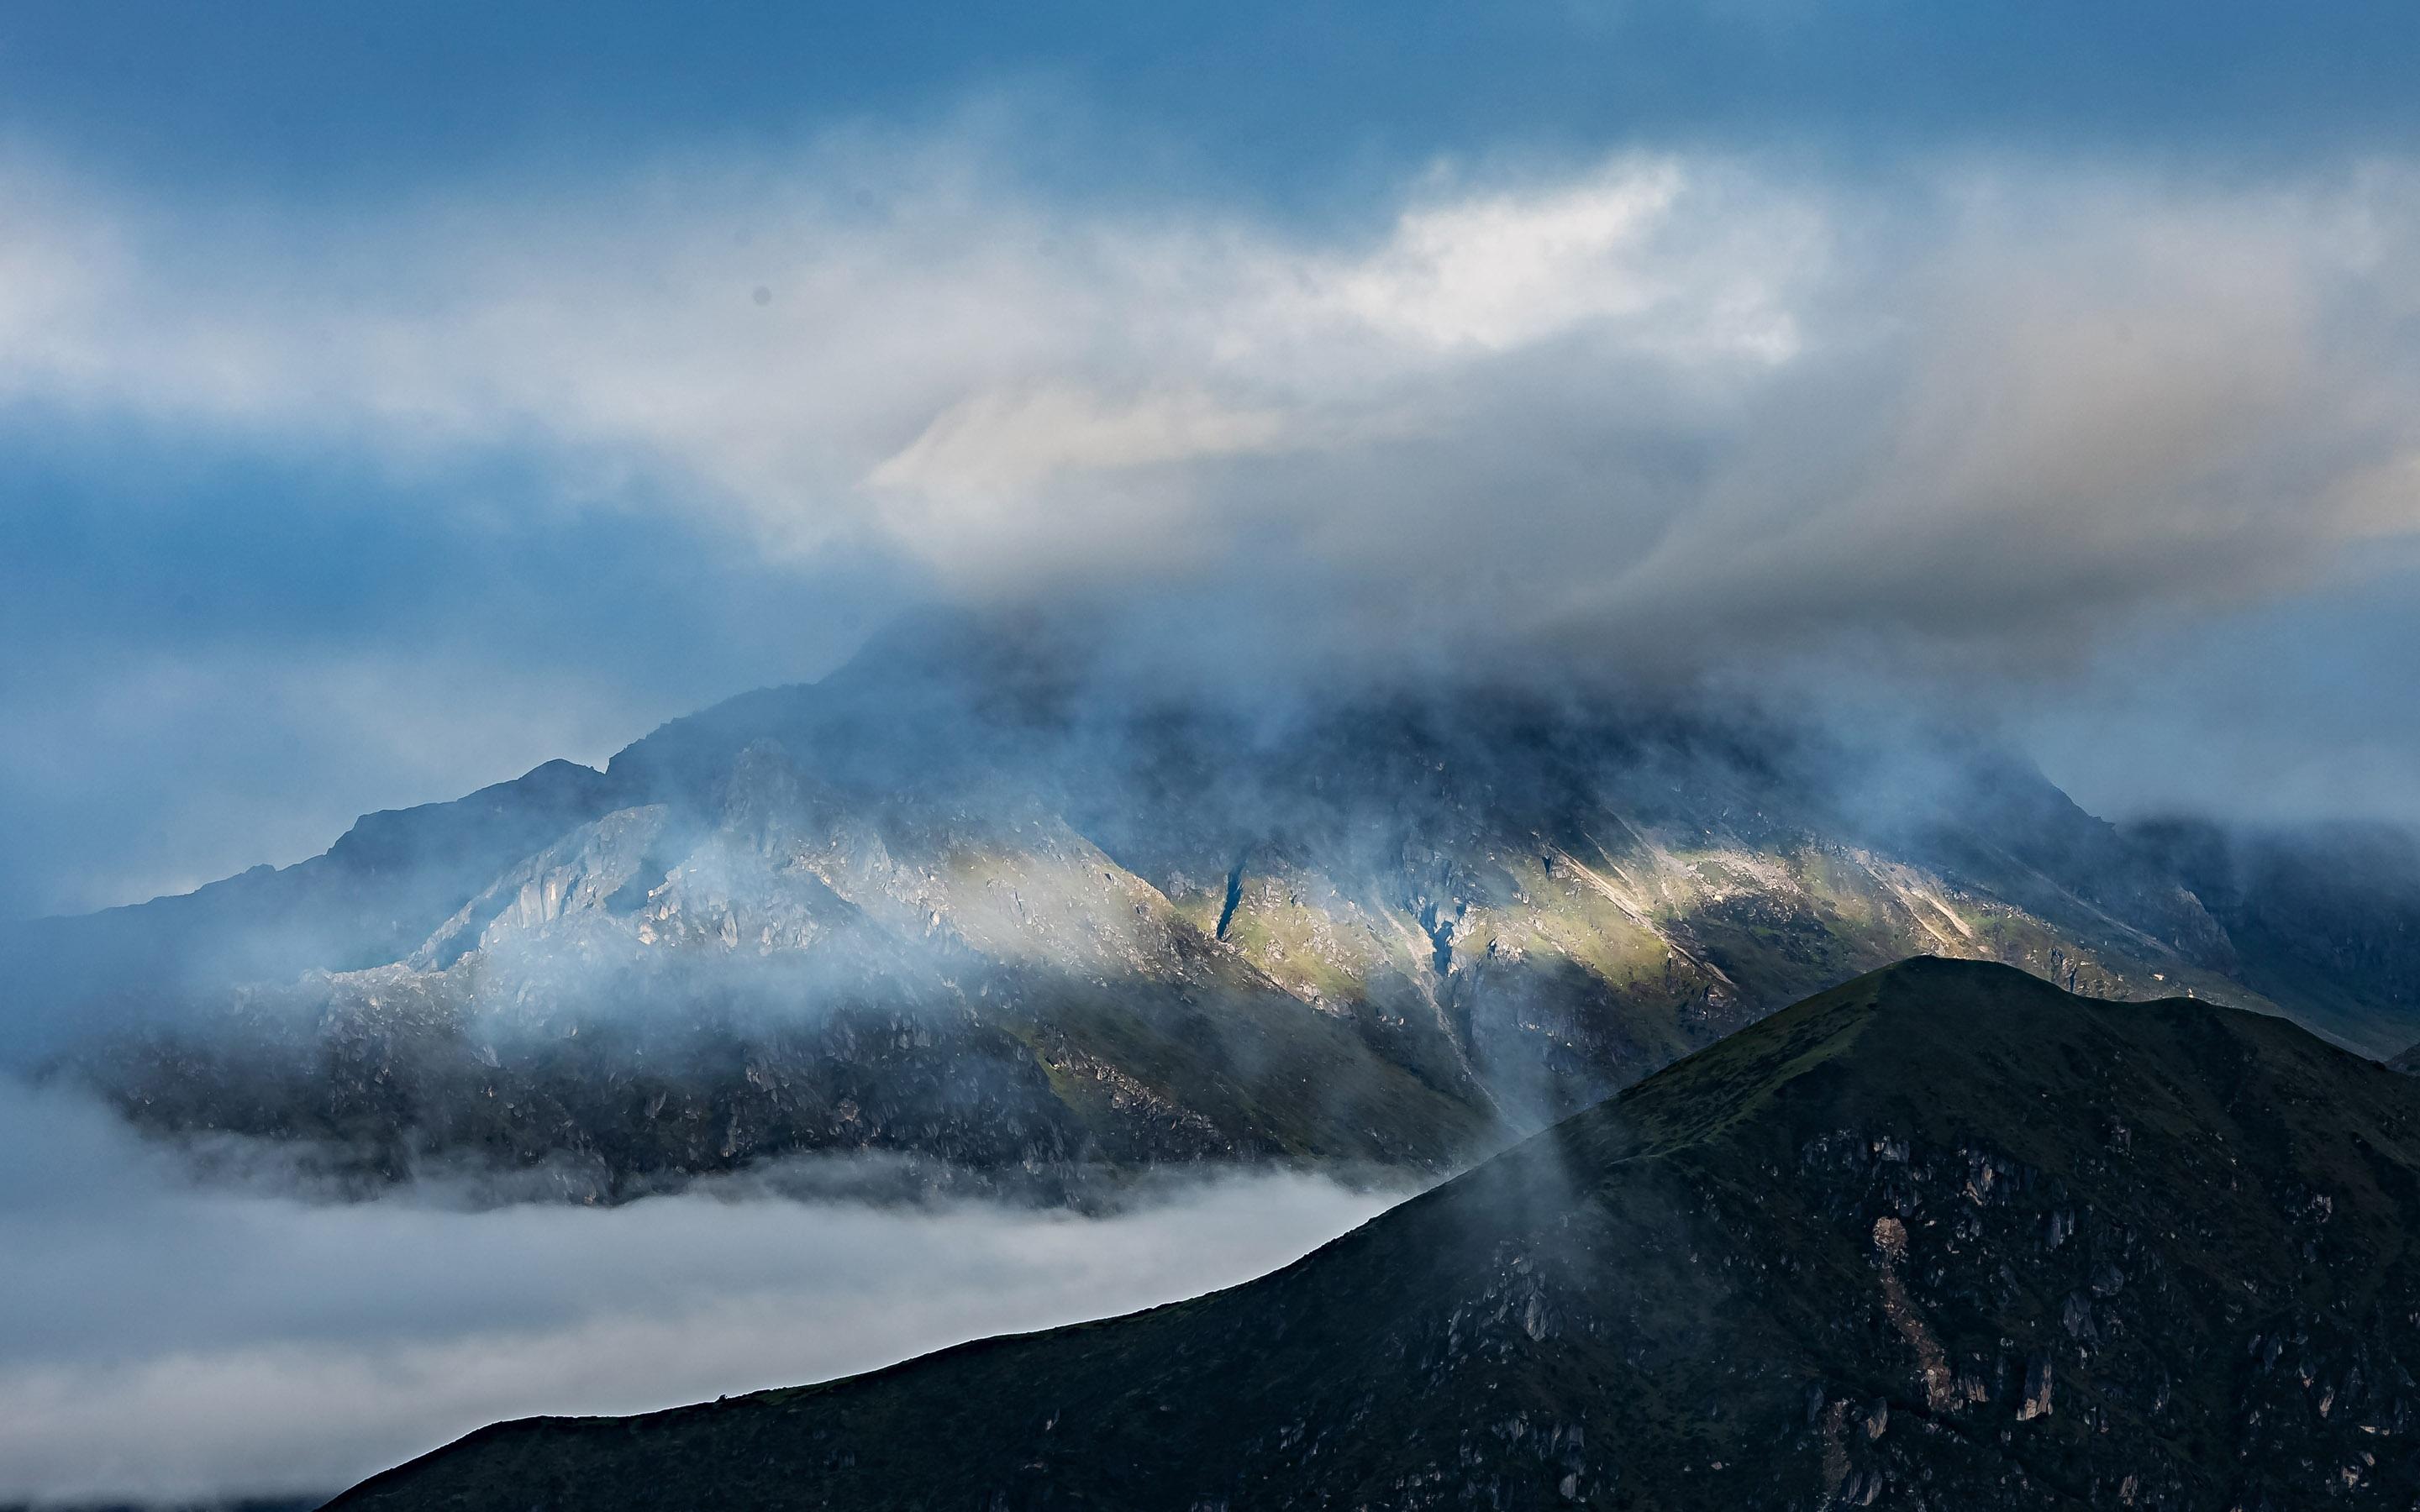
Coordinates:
column 1946, row 1237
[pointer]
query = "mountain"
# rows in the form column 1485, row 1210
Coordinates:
column 369, row 899
column 2326, row 918
column 986, row 905
column 1946, row 1237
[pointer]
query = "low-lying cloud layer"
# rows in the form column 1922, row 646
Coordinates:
column 169, row 1342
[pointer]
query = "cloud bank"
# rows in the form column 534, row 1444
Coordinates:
column 1987, row 403
column 678, row 431
column 169, row 1342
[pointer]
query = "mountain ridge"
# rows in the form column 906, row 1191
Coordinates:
column 958, row 883
column 1944, row 1236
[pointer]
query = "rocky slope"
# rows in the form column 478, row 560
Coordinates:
column 1945, row 1237
column 969, row 902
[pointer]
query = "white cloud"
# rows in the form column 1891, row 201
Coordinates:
column 1660, row 386
column 167, row 1343
column 1500, row 269
column 970, row 349
column 1006, row 439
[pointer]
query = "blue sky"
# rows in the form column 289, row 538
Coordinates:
column 394, row 397
column 1291, row 101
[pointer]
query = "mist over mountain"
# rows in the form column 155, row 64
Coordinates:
column 988, row 903
column 345, row 509
column 252, row 1341
column 1134, row 634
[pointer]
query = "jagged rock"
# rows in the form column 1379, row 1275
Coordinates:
column 2036, row 1402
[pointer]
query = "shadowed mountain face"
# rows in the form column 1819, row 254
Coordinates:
column 1945, row 1237
column 975, row 904
column 2326, row 920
